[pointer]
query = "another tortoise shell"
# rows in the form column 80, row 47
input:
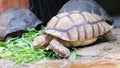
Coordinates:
column 15, row 21
column 76, row 25
column 90, row 6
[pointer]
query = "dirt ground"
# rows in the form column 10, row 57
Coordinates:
column 100, row 55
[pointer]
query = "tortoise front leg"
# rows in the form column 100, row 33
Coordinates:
column 109, row 36
column 59, row 49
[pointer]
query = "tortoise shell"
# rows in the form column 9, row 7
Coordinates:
column 16, row 21
column 76, row 25
column 90, row 6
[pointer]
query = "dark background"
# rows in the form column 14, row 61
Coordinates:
column 111, row 6
column 45, row 9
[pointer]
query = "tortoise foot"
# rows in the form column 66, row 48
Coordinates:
column 110, row 36
column 59, row 49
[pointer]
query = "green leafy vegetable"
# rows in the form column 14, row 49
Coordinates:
column 20, row 49
column 74, row 55
column 2, row 44
column 42, row 27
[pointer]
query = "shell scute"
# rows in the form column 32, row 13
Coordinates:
column 74, row 26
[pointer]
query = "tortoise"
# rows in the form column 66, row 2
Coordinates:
column 90, row 6
column 16, row 21
column 72, row 29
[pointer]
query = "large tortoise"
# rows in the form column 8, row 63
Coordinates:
column 73, row 29
column 90, row 6
column 16, row 21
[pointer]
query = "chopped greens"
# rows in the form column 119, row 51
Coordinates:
column 74, row 55
column 2, row 46
column 20, row 49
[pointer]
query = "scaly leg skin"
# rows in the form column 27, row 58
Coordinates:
column 59, row 49
column 109, row 36
column 41, row 41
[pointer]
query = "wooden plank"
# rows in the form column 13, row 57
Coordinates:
column 7, row 4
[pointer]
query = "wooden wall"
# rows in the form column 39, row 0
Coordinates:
column 6, row 4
